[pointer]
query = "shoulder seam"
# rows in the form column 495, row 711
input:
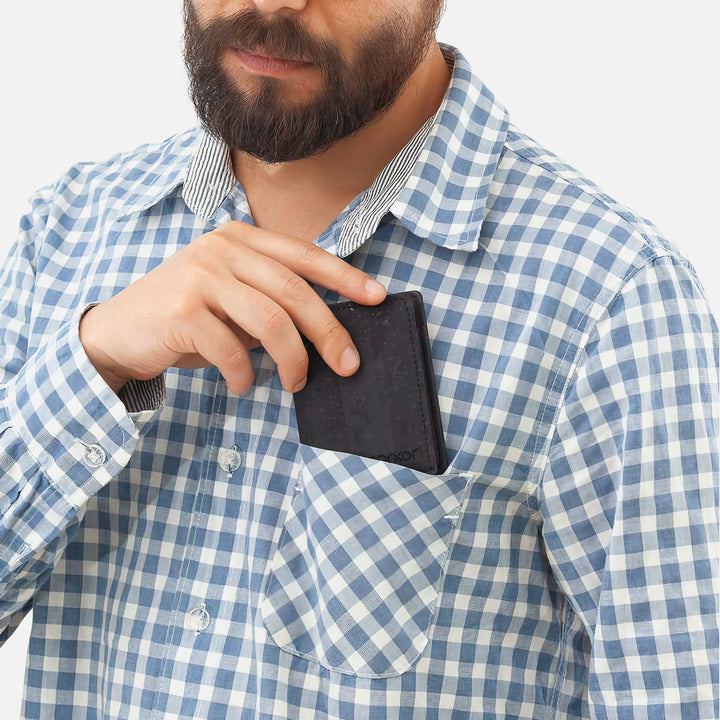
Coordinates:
column 596, row 196
column 542, row 454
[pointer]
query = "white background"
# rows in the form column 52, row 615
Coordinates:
column 624, row 90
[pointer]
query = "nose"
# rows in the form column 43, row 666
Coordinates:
column 273, row 6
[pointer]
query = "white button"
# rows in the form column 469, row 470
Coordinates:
column 198, row 619
column 94, row 456
column 230, row 459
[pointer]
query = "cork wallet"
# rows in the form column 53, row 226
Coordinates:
column 388, row 410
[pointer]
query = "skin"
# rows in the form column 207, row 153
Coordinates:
column 243, row 285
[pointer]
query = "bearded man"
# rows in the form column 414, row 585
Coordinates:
column 186, row 556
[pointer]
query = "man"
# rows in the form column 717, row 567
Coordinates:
column 186, row 557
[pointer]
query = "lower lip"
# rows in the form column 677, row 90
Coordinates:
column 274, row 67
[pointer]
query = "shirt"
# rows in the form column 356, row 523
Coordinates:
column 186, row 557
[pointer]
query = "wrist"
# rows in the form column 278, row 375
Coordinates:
column 90, row 338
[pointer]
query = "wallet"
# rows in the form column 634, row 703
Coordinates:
column 388, row 410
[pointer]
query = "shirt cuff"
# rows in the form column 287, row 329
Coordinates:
column 71, row 422
column 143, row 396
column 140, row 397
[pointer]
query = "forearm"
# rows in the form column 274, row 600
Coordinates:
column 64, row 435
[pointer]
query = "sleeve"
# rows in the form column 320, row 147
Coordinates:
column 629, row 500
column 63, row 433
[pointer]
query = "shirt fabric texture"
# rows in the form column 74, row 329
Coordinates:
column 193, row 560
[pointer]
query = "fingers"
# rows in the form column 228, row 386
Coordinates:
column 234, row 288
column 310, row 262
column 215, row 341
column 294, row 305
column 219, row 346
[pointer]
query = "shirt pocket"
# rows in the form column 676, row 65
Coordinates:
column 355, row 578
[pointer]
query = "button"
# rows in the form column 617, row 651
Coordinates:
column 94, row 456
column 230, row 459
column 198, row 619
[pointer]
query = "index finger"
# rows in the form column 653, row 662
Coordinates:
column 312, row 263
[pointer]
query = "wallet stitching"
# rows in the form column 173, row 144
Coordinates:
column 417, row 379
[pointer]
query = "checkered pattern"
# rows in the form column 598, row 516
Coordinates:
column 566, row 565
column 354, row 581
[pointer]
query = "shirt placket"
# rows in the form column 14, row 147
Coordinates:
column 197, row 599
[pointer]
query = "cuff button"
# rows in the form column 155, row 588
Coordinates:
column 94, row 456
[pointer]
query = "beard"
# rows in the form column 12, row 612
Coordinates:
column 267, row 125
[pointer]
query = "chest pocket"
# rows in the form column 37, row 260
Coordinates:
column 355, row 577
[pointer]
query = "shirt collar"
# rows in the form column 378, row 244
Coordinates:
column 444, row 198
column 162, row 169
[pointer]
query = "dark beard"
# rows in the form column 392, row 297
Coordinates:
column 268, row 126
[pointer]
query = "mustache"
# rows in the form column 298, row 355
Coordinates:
column 283, row 37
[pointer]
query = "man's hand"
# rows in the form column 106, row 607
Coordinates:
column 228, row 290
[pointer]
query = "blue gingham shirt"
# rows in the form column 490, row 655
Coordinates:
column 193, row 560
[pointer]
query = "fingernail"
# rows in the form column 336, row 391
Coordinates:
column 349, row 360
column 373, row 287
column 300, row 385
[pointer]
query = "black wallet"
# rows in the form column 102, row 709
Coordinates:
column 388, row 410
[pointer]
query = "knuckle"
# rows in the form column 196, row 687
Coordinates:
column 228, row 229
column 202, row 275
column 274, row 319
column 334, row 334
column 217, row 242
column 186, row 291
column 230, row 233
column 183, row 307
column 236, row 357
column 220, row 241
column 200, row 245
column 297, row 290
column 307, row 253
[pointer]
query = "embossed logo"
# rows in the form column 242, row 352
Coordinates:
column 399, row 457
